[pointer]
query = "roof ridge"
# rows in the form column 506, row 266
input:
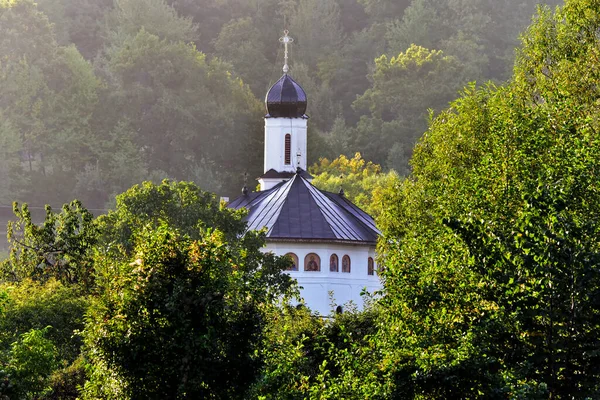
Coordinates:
column 361, row 218
column 270, row 198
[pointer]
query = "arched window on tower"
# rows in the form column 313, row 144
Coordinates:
column 370, row 267
column 346, row 263
column 288, row 149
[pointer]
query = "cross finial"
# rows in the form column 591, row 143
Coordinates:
column 286, row 40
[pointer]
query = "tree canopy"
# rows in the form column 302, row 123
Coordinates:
column 492, row 241
column 100, row 95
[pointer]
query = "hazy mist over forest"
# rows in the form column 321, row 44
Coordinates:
column 97, row 95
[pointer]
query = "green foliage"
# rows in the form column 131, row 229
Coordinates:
column 384, row 9
column 154, row 16
column 182, row 205
column 48, row 95
column 60, row 248
column 30, row 305
column 491, row 245
column 78, row 22
column 185, row 319
column 154, row 107
column 403, row 88
column 65, row 383
column 241, row 44
column 13, row 180
column 318, row 25
column 358, row 178
column 307, row 357
column 30, row 362
column 170, row 102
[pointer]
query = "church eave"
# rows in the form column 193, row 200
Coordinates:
column 325, row 240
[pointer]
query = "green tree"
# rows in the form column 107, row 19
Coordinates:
column 48, row 96
column 403, row 89
column 357, row 177
column 385, row 9
column 184, row 319
column 31, row 361
column 307, row 357
column 346, row 74
column 183, row 205
column 171, row 101
column 154, row 16
column 31, row 305
column 491, row 245
column 317, row 29
column 78, row 22
column 60, row 248
column 13, row 180
column 240, row 43
column 481, row 34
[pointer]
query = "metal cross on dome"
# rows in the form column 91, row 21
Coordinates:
column 286, row 40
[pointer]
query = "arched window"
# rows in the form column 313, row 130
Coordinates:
column 334, row 263
column 346, row 263
column 312, row 262
column 288, row 149
column 370, row 267
column 294, row 266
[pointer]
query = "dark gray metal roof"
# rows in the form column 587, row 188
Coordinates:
column 297, row 210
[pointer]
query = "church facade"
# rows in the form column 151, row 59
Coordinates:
column 330, row 240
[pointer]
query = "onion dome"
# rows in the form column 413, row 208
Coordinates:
column 286, row 99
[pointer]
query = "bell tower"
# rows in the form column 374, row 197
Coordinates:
column 285, row 127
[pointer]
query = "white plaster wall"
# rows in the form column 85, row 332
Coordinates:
column 316, row 285
column 275, row 131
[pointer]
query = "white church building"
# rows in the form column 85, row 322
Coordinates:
column 330, row 240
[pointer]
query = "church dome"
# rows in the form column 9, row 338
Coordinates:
column 286, row 99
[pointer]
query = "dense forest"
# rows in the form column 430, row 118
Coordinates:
column 490, row 241
column 99, row 94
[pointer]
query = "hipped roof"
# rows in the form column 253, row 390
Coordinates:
column 297, row 210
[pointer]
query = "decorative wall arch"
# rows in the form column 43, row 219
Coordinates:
column 370, row 267
column 346, row 266
column 294, row 266
column 334, row 263
column 312, row 262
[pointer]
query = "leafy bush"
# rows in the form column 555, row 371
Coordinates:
column 30, row 362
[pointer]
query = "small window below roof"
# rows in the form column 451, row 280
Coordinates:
column 334, row 263
column 294, row 266
column 312, row 262
column 346, row 263
column 370, row 267
column 288, row 149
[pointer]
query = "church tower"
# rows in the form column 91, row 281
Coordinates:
column 285, row 128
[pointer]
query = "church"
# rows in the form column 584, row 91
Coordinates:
column 330, row 240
